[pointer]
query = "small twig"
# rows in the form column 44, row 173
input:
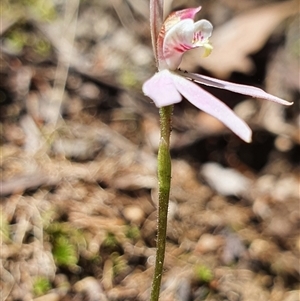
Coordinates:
column 64, row 61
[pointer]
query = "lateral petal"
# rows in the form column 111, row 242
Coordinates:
column 213, row 106
column 237, row 88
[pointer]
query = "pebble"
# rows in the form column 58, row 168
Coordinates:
column 262, row 250
column 91, row 287
column 286, row 188
column 121, row 293
column 48, row 297
column 134, row 214
column 292, row 296
column 208, row 243
column 279, row 226
column 226, row 181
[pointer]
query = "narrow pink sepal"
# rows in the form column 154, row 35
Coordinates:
column 156, row 21
column 212, row 105
column 161, row 89
column 237, row 88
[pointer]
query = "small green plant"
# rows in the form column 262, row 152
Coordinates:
column 41, row 286
column 110, row 241
column 17, row 38
column 22, row 33
column 64, row 252
column 203, row 274
column 132, row 232
column 67, row 242
column 119, row 264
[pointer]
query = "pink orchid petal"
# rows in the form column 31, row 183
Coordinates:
column 188, row 13
column 161, row 89
column 175, row 37
column 203, row 30
column 237, row 88
column 212, row 105
column 178, row 40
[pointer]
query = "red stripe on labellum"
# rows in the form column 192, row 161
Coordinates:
column 182, row 48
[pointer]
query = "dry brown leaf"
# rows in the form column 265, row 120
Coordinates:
column 239, row 37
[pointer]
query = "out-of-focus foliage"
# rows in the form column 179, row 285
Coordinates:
column 119, row 264
column 110, row 241
column 41, row 9
column 17, row 38
column 203, row 273
column 41, row 286
column 133, row 232
column 66, row 242
column 18, row 17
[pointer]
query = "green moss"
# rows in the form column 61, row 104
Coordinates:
column 119, row 264
column 128, row 78
column 22, row 34
column 16, row 39
column 203, row 273
column 41, row 286
column 67, row 242
column 110, row 240
column 132, row 232
column 64, row 252
column 42, row 47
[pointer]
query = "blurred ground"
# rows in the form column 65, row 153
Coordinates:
column 78, row 154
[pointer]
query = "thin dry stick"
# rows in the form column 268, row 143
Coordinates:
column 64, row 60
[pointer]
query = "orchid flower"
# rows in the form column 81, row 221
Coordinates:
column 170, row 40
column 178, row 34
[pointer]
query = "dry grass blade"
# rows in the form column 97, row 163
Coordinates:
column 64, row 60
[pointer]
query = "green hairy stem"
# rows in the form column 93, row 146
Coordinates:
column 164, row 183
